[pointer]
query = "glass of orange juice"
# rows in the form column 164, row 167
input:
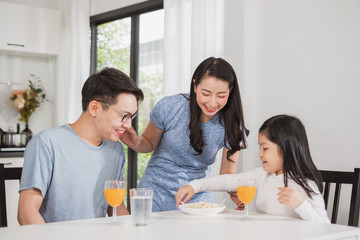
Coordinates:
column 114, row 191
column 246, row 190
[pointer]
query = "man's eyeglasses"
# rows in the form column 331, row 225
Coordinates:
column 124, row 116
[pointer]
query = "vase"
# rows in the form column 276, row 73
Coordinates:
column 27, row 132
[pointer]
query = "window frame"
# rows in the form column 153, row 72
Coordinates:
column 134, row 12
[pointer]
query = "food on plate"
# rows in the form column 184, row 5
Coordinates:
column 202, row 208
column 202, row 205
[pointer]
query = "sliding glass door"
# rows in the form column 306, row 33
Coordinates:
column 131, row 40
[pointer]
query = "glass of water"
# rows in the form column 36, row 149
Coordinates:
column 141, row 205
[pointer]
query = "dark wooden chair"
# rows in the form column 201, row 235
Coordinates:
column 339, row 178
column 6, row 174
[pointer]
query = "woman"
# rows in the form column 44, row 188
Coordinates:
column 186, row 132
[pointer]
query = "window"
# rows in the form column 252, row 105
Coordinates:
column 131, row 40
column 113, row 41
column 150, row 72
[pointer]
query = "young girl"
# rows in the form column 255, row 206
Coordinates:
column 288, row 183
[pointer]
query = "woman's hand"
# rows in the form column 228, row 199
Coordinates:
column 145, row 143
column 185, row 191
column 130, row 138
column 290, row 197
column 234, row 197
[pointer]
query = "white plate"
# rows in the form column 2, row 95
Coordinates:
column 202, row 211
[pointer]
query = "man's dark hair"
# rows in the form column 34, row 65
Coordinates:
column 107, row 85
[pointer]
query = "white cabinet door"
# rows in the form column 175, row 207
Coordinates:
column 29, row 29
column 12, row 191
column 12, row 200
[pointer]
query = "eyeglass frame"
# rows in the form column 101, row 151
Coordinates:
column 124, row 117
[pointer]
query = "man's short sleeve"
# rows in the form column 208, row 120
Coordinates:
column 38, row 165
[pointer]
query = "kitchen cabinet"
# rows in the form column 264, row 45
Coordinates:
column 12, row 191
column 29, row 29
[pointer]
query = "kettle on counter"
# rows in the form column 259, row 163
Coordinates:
column 12, row 139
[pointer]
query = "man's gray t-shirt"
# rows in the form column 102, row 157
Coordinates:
column 70, row 173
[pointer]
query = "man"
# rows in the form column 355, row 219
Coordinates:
column 65, row 168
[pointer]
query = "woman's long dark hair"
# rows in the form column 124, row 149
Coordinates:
column 289, row 134
column 231, row 115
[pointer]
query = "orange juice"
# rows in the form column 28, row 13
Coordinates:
column 246, row 193
column 115, row 196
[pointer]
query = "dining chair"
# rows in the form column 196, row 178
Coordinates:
column 6, row 174
column 338, row 178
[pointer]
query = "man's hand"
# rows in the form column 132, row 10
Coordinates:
column 234, row 197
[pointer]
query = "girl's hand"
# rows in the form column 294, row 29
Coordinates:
column 290, row 197
column 185, row 191
column 234, row 197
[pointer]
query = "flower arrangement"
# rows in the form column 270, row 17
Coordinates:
column 26, row 101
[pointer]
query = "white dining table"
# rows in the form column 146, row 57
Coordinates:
column 174, row 225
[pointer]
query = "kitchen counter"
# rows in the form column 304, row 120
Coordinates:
column 6, row 154
column 11, row 162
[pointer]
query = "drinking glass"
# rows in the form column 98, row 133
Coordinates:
column 246, row 190
column 114, row 191
column 141, row 204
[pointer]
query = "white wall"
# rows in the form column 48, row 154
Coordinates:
column 101, row 6
column 307, row 63
column 301, row 57
column 16, row 69
column 51, row 4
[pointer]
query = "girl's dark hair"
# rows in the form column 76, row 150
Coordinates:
column 107, row 85
column 231, row 115
column 289, row 134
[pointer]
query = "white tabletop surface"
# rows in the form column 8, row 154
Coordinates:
column 174, row 225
